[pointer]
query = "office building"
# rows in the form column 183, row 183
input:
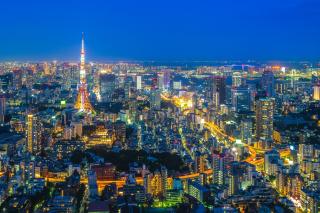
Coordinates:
column 107, row 87
column 270, row 158
column 33, row 133
column 2, row 108
column 241, row 100
column 218, row 90
column 264, row 119
column 139, row 82
column 268, row 83
column 316, row 92
column 197, row 191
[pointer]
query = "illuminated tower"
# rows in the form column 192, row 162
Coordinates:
column 83, row 104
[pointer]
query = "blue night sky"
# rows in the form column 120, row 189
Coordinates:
column 160, row 29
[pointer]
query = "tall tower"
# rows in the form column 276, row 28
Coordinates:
column 83, row 104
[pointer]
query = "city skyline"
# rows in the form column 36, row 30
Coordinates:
column 163, row 31
column 128, row 106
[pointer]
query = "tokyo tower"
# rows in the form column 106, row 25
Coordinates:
column 83, row 104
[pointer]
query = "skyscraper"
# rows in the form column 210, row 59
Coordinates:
column 128, row 85
column 199, row 165
column 268, row 83
column 83, row 104
column 220, row 164
column 161, row 85
column 241, row 99
column 139, row 82
column 234, row 179
column 236, row 79
column 218, row 90
column 2, row 108
column 155, row 99
column 164, row 180
column 264, row 118
column 166, row 79
column 33, row 133
column 107, row 87
column 316, row 92
column 29, row 132
column 269, row 157
column 246, row 127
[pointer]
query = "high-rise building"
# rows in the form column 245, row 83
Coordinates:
column 268, row 83
column 2, row 108
column 197, row 191
column 177, row 85
column 316, row 92
column 218, row 90
column 66, row 117
column 305, row 152
column 139, row 137
column 220, row 164
column 234, row 179
column 46, row 69
column 107, row 87
column 139, row 82
column 132, row 189
column 269, row 158
column 264, row 118
column 155, row 99
column 147, row 183
column 310, row 201
column 156, row 184
column 29, row 133
column 246, row 127
column 241, row 100
column 76, row 129
column 33, row 133
column 166, row 79
column 236, row 79
column 160, row 81
column 217, row 169
column 128, row 85
column 199, row 165
column 6, row 81
column 164, row 180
